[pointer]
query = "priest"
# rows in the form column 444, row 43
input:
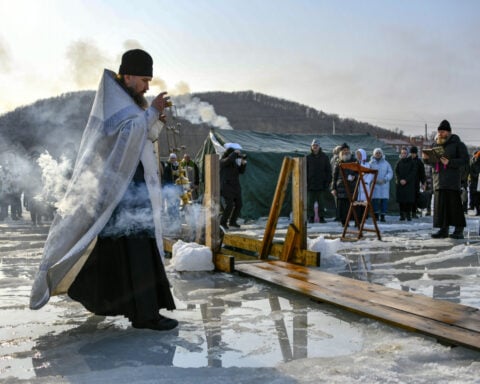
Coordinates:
column 104, row 248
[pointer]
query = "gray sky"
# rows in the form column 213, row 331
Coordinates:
column 396, row 64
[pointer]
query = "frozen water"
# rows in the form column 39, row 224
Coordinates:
column 239, row 330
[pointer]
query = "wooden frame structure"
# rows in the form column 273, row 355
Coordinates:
column 294, row 247
column 354, row 203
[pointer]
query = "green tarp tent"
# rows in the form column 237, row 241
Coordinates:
column 265, row 153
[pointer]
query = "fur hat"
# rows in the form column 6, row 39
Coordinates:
column 136, row 62
column 444, row 126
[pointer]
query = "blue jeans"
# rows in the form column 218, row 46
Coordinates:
column 380, row 206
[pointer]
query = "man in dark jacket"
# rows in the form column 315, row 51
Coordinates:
column 405, row 175
column 447, row 175
column 319, row 176
column 338, row 188
column 232, row 165
column 420, row 178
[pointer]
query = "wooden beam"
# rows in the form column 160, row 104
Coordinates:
column 448, row 322
column 299, row 256
column 290, row 241
column 299, row 200
column 224, row 262
column 212, row 203
column 276, row 207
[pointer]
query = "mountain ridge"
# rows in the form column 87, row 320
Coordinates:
column 55, row 122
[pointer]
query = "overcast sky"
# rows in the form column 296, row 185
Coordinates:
column 397, row 64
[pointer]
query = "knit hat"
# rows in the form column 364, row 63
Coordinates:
column 173, row 156
column 315, row 142
column 344, row 146
column 136, row 62
column 444, row 126
column 413, row 150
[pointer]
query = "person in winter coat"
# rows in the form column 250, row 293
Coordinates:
column 474, row 190
column 429, row 187
column 32, row 200
column 338, row 187
column 447, row 178
column 362, row 159
column 192, row 173
column 172, row 191
column 420, row 178
column 333, row 162
column 319, row 176
column 381, row 193
column 405, row 175
column 232, row 165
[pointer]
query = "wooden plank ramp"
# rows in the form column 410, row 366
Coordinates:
column 449, row 323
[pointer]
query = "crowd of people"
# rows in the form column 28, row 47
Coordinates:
column 450, row 181
column 10, row 192
column 26, row 187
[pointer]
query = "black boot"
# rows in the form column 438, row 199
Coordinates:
column 457, row 233
column 382, row 218
column 161, row 323
column 441, row 234
column 402, row 216
column 409, row 217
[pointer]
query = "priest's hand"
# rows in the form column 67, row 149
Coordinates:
column 161, row 102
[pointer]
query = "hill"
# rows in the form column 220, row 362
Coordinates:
column 254, row 111
column 55, row 122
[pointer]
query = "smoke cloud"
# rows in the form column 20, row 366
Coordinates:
column 199, row 112
column 55, row 178
column 86, row 62
column 159, row 84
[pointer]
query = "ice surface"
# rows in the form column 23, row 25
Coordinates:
column 236, row 329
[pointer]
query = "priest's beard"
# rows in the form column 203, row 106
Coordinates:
column 442, row 140
column 139, row 99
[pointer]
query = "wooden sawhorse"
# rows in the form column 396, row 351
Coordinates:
column 352, row 197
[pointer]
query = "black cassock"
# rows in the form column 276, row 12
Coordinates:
column 124, row 274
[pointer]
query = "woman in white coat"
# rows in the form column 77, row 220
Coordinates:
column 381, row 193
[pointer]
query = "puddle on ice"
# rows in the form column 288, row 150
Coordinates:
column 256, row 325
